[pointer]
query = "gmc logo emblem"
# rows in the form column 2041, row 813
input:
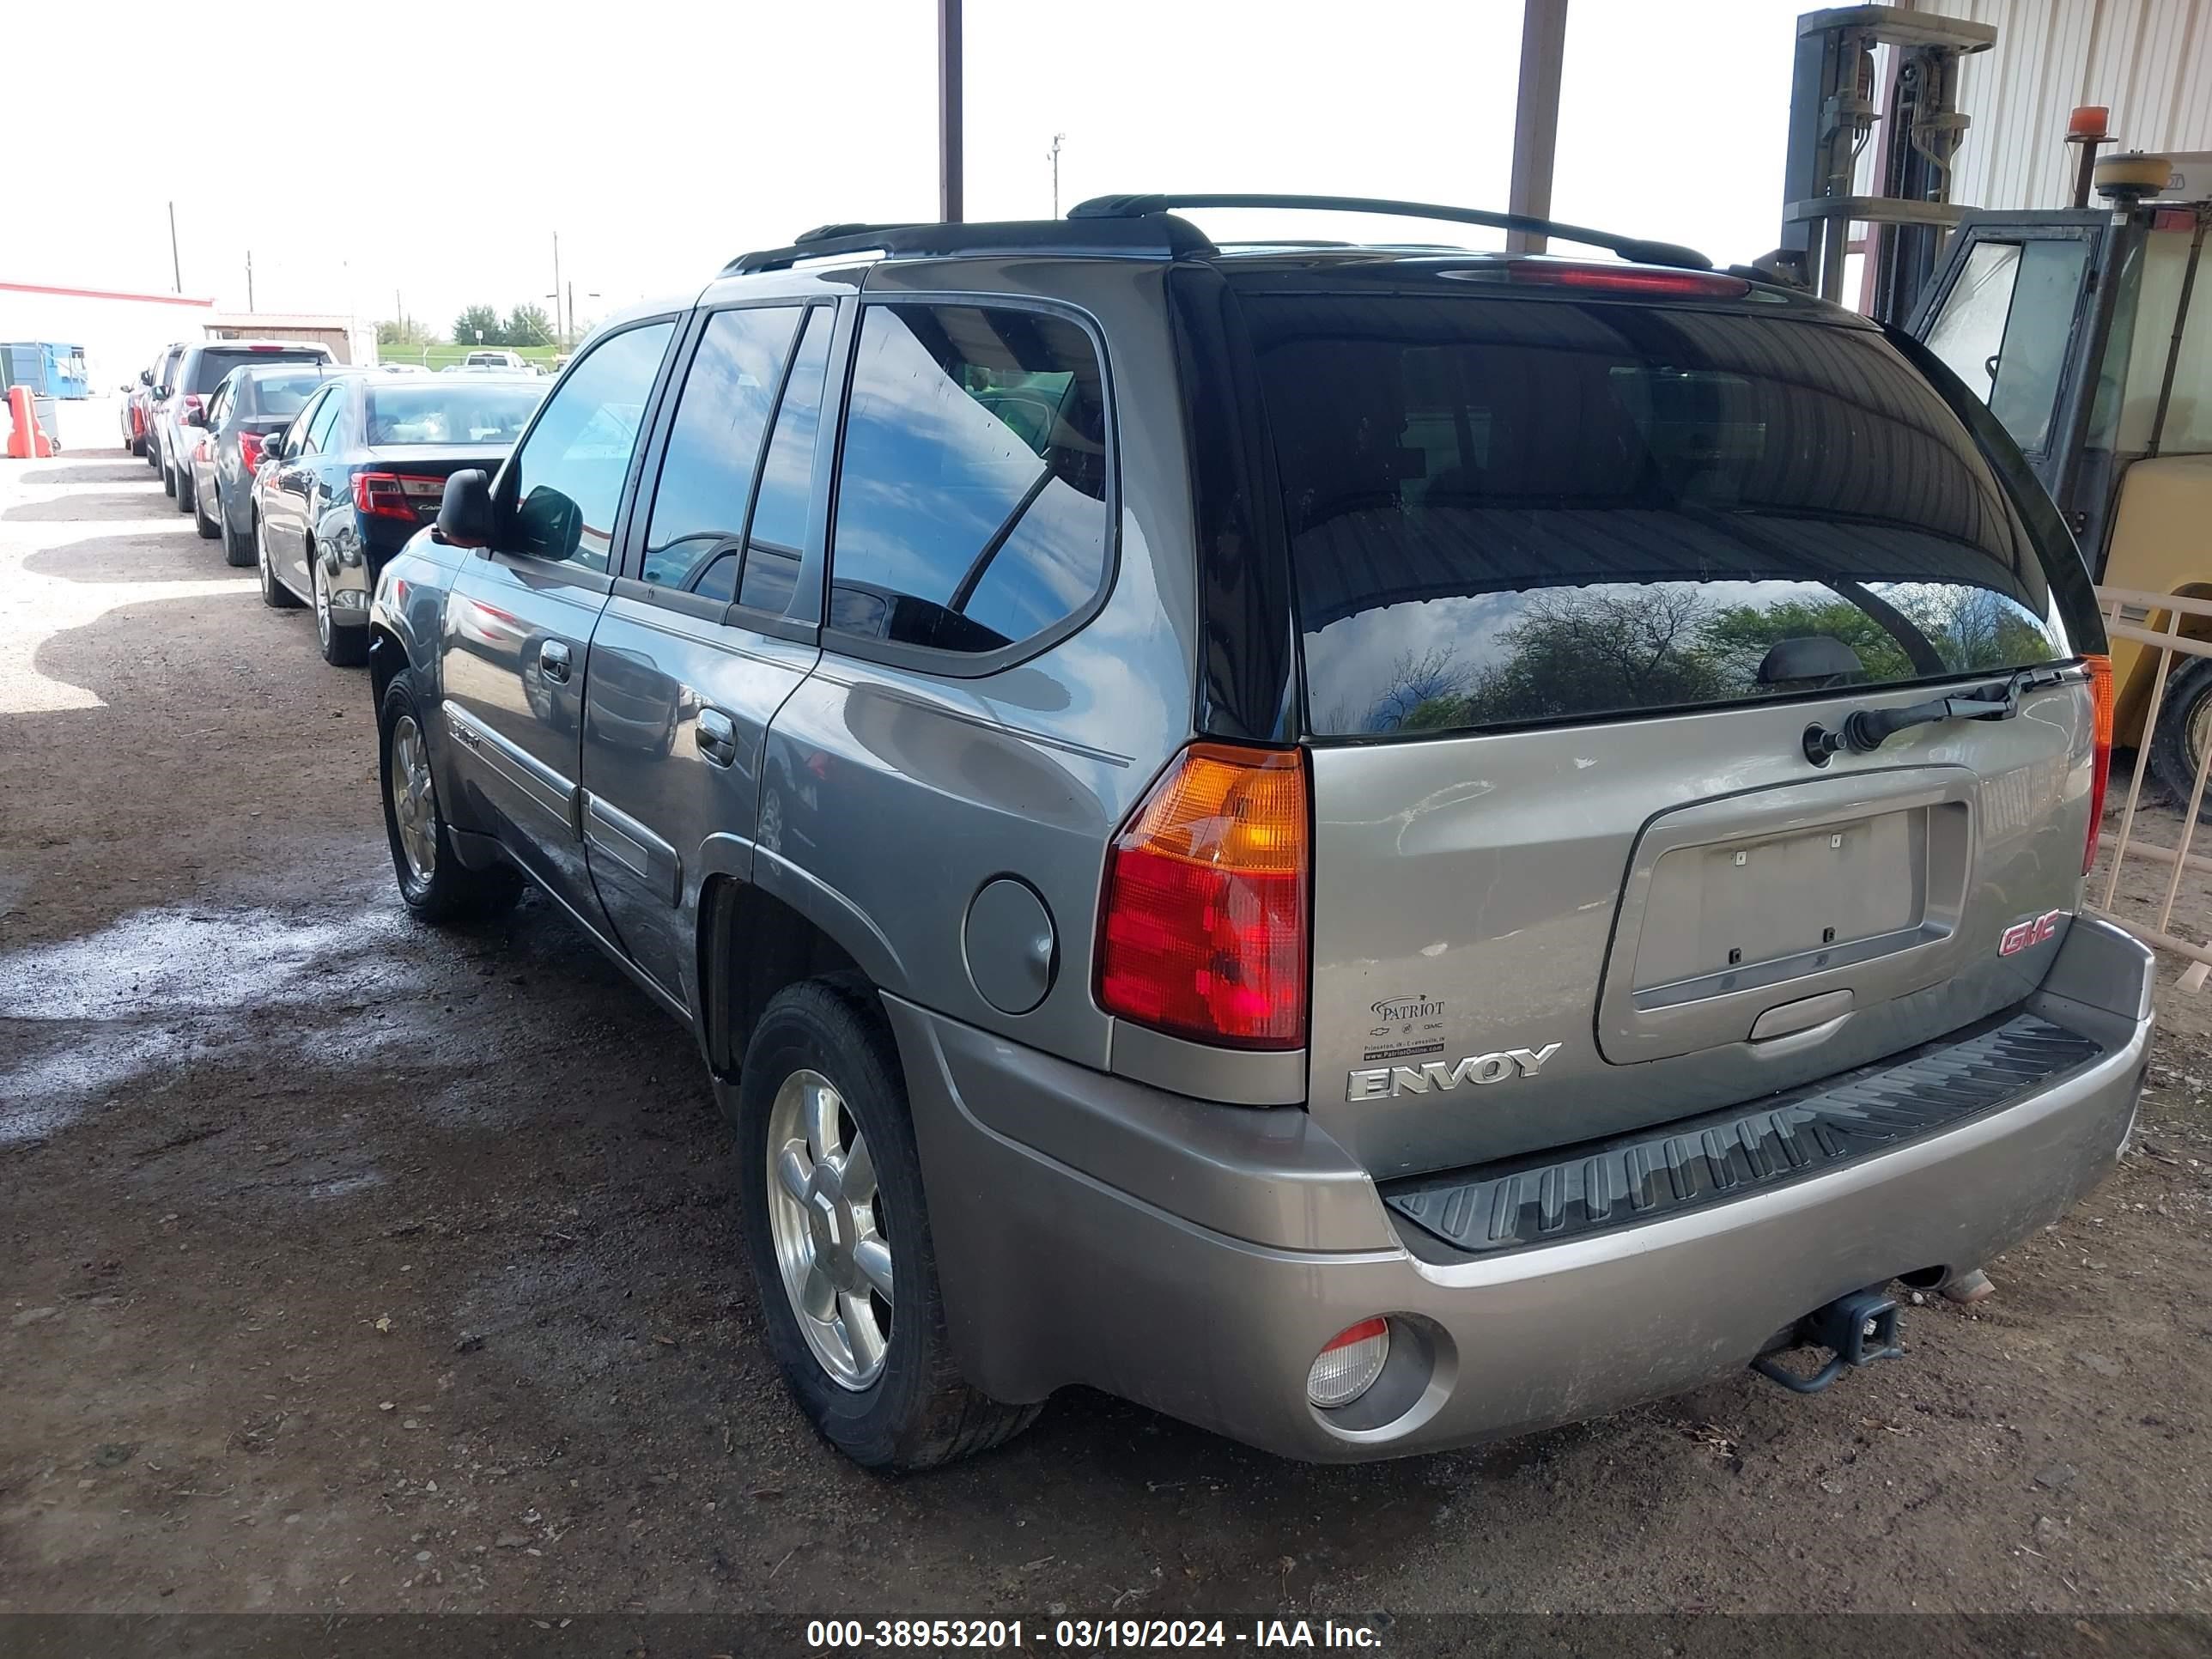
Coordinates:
column 2021, row 935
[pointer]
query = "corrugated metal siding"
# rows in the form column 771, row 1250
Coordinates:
column 2150, row 60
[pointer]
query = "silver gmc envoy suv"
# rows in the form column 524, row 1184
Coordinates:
column 1368, row 846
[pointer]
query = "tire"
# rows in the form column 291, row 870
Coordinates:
column 341, row 647
column 273, row 594
column 184, row 491
column 168, row 481
column 237, row 549
column 449, row 890
column 2174, row 752
column 913, row 1410
column 208, row 527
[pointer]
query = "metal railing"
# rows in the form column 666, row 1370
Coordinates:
column 2166, row 642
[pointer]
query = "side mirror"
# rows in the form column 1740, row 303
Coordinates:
column 145, row 378
column 465, row 513
column 274, row 449
column 195, row 418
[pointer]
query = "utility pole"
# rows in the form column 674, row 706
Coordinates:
column 570, row 345
column 1053, row 155
column 950, row 203
column 1536, row 118
column 249, row 279
column 176, row 267
column 555, row 295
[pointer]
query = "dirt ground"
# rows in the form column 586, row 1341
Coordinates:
column 346, row 1266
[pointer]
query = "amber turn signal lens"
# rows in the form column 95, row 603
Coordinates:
column 1203, row 921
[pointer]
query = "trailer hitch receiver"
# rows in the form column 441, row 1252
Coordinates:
column 1856, row 1330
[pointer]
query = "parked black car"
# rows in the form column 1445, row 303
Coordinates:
column 251, row 406
column 361, row 467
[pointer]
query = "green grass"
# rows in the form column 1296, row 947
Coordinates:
column 441, row 355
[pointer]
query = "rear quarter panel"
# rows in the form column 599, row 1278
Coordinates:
column 893, row 796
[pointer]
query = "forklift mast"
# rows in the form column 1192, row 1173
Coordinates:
column 1833, row 115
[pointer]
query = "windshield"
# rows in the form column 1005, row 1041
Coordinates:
column 467, row 412
column 1506, row 512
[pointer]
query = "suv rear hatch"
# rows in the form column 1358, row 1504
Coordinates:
column 1576, row 568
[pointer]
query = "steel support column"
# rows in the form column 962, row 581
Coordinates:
column 951, row 207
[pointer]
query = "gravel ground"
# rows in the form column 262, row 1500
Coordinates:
column 345, row 1265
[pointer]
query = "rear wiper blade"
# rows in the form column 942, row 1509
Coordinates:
column 1865, row 730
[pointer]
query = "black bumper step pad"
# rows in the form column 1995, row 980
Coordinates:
column 1724, row 1155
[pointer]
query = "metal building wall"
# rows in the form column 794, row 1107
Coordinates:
column 2150, row 60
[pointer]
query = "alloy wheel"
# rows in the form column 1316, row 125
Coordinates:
column 829, row 1240
column 414, row 806
column 322, row 603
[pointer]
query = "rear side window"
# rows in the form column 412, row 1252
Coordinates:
column 209, row 367
column 778, row 535
column 971, row 495
column 1505, row 512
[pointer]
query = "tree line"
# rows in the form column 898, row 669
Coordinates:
column 525, row 326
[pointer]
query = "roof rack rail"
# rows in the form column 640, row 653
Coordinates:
column 1108, row 208
column 1157, row 236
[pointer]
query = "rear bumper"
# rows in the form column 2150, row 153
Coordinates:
column 1194, row 1258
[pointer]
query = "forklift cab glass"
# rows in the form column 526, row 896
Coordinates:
column 2005, row 325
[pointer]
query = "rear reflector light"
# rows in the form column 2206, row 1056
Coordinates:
column 2101, row 765
column 1348, row 1366
column 1631, row 279
column 249, row 451
column 1203, row 928
column 397, row 494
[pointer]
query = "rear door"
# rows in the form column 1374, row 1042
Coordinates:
column 1575, row 575
column 695, row 654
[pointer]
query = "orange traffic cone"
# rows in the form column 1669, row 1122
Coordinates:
column 26, row 441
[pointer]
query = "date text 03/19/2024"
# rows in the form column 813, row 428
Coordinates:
column 989, row 1635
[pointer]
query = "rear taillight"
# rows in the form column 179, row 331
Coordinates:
column 2100, row 764
column 1631, row 279
column 1203, row 928
column 397, row 494
column 249, row 451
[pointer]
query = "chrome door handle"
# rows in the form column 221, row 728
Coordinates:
column 553, row 661
column 717, row 738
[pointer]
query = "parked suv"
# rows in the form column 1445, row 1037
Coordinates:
column 1369, row 847
column 190, row 381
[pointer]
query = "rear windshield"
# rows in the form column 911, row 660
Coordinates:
column 449, row 412
column 280, row 394
column 1503, row 512
column 214, row 363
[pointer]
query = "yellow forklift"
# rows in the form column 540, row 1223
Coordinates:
column 2089, row 332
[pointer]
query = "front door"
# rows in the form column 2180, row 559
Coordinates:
column 694, row 657
column 285, row 513
column 519, row 620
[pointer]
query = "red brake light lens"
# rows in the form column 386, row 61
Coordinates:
column 249, row 451
column 2100, row 699
column 1203, row 930
column 397, row 494
column 1631, row 279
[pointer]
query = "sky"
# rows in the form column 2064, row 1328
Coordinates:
column 371, row 157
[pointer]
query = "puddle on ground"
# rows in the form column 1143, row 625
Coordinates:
column 96, row 1016
column 196, row 960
